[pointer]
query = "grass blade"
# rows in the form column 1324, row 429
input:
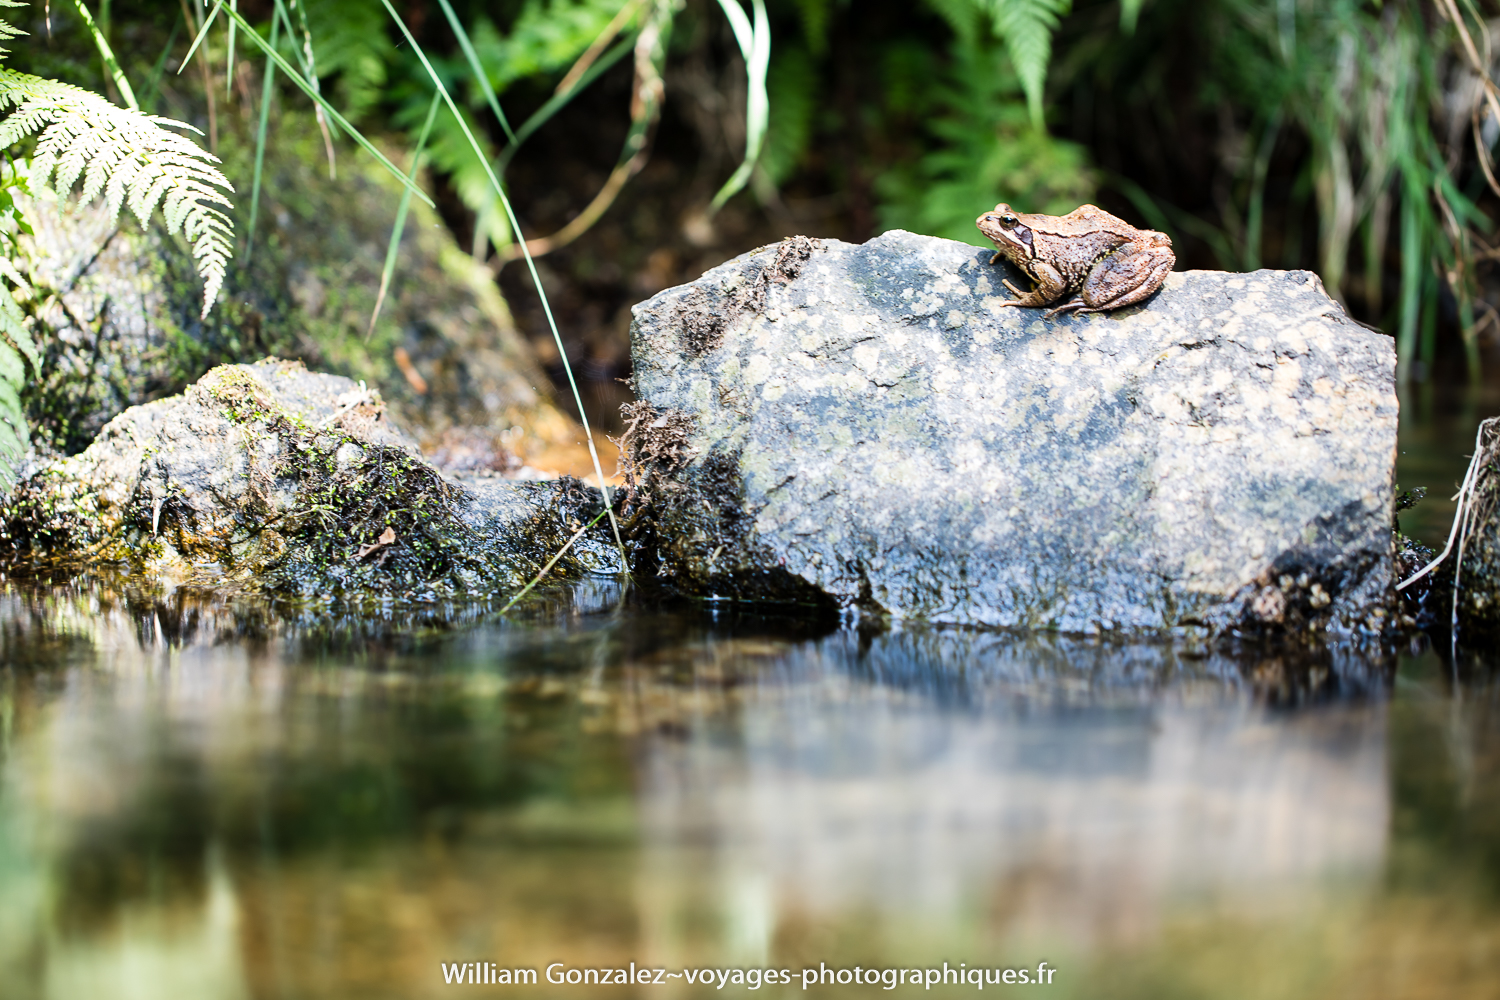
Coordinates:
column 229, row 67
column 401, row 210
column 108, row 55
column 329, row 109
column 536, row 280
column 154, row 84
column 756, row 49
column 649, row 90
column 553, row 561
column 598, row 45
column 266, row 94
column 310, row 70
column 560, row 100
column 202, row 34
column 194, row 22
column 479, row 73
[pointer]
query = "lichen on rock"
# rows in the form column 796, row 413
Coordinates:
column 871, row 427
column 271, row 477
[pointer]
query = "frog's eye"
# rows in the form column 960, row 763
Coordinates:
column 1008, row 220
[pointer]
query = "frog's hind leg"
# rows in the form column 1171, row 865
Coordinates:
column 1131, row 274
column 1066, row 307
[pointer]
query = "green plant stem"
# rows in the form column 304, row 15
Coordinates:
column 266, row 93
column 401, row 210
column 479, row 73
column 536, row 280
column 755, row 46
column 553, row 561
column 559, row 101
column 108, row 54
column 338, row 119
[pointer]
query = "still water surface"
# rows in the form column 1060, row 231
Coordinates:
column 207, row 800
column 204, row 799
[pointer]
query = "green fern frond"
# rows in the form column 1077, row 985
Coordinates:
column 8, row 30
column 129, row 157
column 1027, row 27
column 17, row 352
column 546, row 36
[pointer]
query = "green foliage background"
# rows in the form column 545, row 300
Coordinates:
column 1353, row 137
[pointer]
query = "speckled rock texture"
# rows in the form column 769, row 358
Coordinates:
column 868, row 426
column 270, row 477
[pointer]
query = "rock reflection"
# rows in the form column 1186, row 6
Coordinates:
column 1071, row 791
column 250, row 801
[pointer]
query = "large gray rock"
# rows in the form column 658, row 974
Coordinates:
column 867, row 425
column 271, row 477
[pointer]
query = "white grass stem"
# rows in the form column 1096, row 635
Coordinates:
column 1458, row 515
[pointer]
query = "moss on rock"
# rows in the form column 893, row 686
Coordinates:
column 270, row 477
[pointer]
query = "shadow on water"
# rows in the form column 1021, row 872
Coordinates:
column 221, row 798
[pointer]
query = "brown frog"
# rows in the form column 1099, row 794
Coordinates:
column 1104, row 262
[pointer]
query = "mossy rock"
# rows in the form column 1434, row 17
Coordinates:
column 272, row 478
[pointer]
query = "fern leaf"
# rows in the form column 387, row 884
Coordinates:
column 13, row 436
column 12, row 319
column 129, row 157
column 8, row 30
column 12, row 367
column 15, row 343
column 1027, row 27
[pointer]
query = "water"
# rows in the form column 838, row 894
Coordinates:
column 1438, row 423
column 208, row 800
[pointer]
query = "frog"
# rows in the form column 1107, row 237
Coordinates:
column 1103, row 261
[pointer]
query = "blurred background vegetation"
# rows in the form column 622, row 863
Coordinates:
column 1351, row 138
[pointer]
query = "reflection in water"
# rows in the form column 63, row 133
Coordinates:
column 1438, row 423
column 208, row 800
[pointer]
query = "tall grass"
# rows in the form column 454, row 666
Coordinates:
column 652, row 19
column 1374, row 122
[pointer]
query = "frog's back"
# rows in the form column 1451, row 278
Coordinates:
column 1083, row 252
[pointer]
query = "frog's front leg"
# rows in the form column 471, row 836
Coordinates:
column 1131, row 274
column 1049, row 287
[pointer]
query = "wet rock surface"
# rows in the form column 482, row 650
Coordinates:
column 869, row 426
column 271, row 477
